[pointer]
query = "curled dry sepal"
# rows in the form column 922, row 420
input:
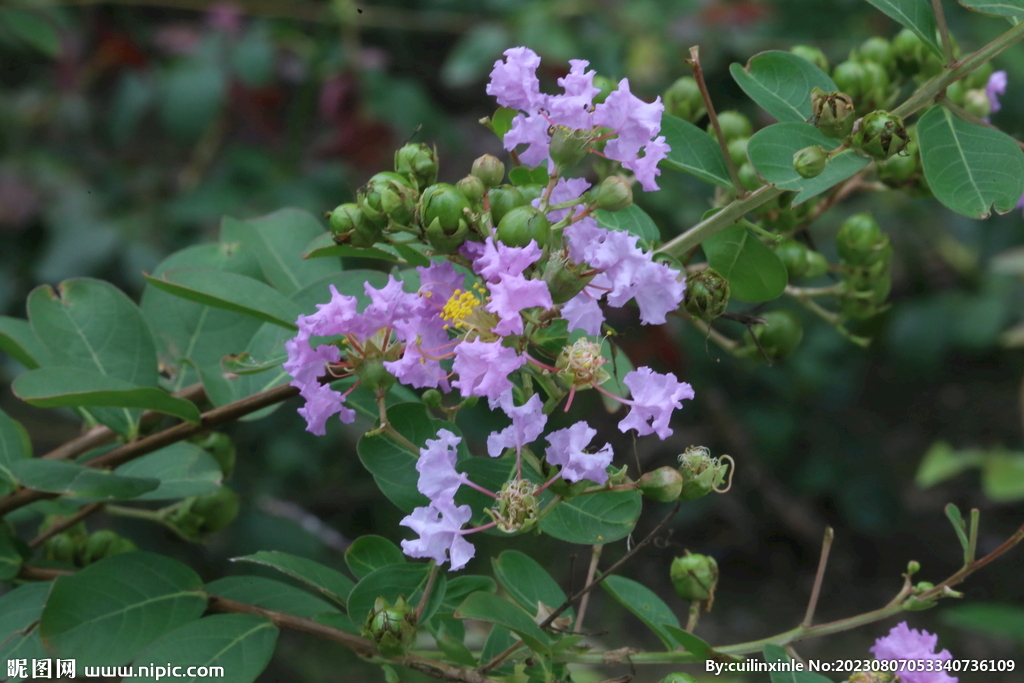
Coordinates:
column 477, row 333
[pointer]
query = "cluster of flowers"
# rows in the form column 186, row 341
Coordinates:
column 471, row 332
column 905, row 643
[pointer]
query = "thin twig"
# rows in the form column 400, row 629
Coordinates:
column 595, row 555
column 694, row 616
column 812, row 604
column 698, row 74
column 940, row 20
column 65, row 523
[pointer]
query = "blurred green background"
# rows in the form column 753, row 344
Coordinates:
column 129, row 129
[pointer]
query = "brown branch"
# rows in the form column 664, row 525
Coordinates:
column 812, row 604
column 65, row 523
column 698, row 75
column 98, row 436
column 155, row 442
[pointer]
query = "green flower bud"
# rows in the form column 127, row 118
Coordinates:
column 867, row 288
column 517, row 506
column 121, row 546
column 564, row 277
column 391, row 628
column 522, row 225
column 956, row 92
column 569, row 146
column 679, row 678
column 489, row 169
column 344, row 219
column 443, row 212
column 780, row 335
column 418, row 163
column 472, row 187
column 852, row 78
column 683, row 99
column 908, row 51
column 879, row 51
column 979, row 77
column 431, row 398
column 877, row 93
column 96, row 547
column 662, row 485
column 694, row 577
column 809, row 162
column 902, row 168
column 614, row 194
column 817, row 265
column 220, row 446
column 374, row 375
column 502, row 200
column 605, row 87
column 859, row 239
column 812, row 55
column 793, row 255
column 749, row 178
column 707, row 294
column 701, row 473
column 738, row 151
column 880, row 135
column 913, row 567
column 217, row 510
column 61, row 548
column 832, row 113
column 976, row 102
column 388, row 199
column 734, row 125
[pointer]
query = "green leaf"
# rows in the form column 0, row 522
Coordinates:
column 941, row 462
column 527, row 582
column 19, row 617
column 10, row 558
column 110, row 611
column 781, row 83
column 278, row 241
column 1004, row 8
column 371, row 552
column 1002, row 477
column 323, row 246
column 497, row 610
column 70, row 387
column 191, row 335
column 72, row 479
column 231, row 292
column 521, row 175
column 332, row 583
column 991, row 619
column 771, row 151
column 695, row 645
column 461, row 587
column 454, row 648
column 501, row 121
column 396, row 580
column 753, row 270
column 239, row 645
column 14, row 447
column 411, row 255
column 183, row 470
column 269, row 594
column 971, row 169
column 957, row 520
column 93, row 326
column 32, row 29
column 498, row 640
column 647, row 606
column 632, row 220
column 775, row 653
column 596, row 518
column 392, row 463
column 917, row 15
column 694, row 151
column 19, row 342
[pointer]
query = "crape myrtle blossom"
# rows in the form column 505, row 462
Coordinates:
column 907, row 643
column 566, row 448
column 439, row 526
column 528, row 421
column 502, row 266
column 483, row 369
column 635, row 124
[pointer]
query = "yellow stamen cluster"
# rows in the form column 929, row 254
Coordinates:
column 462, row 304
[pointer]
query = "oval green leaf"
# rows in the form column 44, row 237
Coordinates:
column 1002, row 477
column 332, row 583
column 771, row 152
column 971, row 169
column 693, row 151
column 371, row 552
column 324, row 246
column 72, row 479
column 1003, row 8
column 781, row 83
column 596, row 518
column 396, row 580
column 497, row 610
column 69, row 387
column 19, row 342
column 269, row 594
column 237, row 646
column 633, row 220
column 10, row 557
column 647, row 606
column 19, row 622
column 137, row 596
column 917, row 15
column 753, row 270
column 527, row 582
column 182, row 469
column 14, row 447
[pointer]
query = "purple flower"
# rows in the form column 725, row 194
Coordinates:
column 439, row 527
column 497, row 259
column 484, row 367
column 527, row 423
column 573, row 109
column 321, row 403
column 426, row 342
column 583, row 312
column 514, row 81
column 334, row 317
column 438, row 479
column 566, row 449
column 306, row 364
column 655, row 396
column 566, row 189
column 995, row 87
column 512, row 294
column 636, row 122
column 907, row 643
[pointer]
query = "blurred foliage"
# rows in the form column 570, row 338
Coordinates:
column 128, row 131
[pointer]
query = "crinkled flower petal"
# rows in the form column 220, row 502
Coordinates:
column 566, row 449
column 528, row 422
column 439, row 527
column 583, row 312
column 321, row 403
column 426, row 342
column 497, row 259
column 655, row 396
column 907, row 643
column 995, row 87
column 438, row 479
column 566, row 189
column 533, row 131
column 483, row 369
column 645, row 168
column 514, row 80
column 573, row 108
column 512, row 294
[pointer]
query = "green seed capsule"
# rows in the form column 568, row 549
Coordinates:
column 734, row 125
column 683, row 99
column 522, row 225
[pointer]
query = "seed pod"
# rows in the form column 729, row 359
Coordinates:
column 860, row 240
column 522, row 225
column 810, row 161
column 489, row 169
column 391, row 628
column 683, row 99
column 793, row 255
column 880, row 135
column 832, row 112
column 662, row 485
column 388, row 199
column 780, row 335
column 614, row 194
column 812, row 55
column 442, row 212
column 694, row 577
column 502, row 200
column 418, row 163
column 707, row 294
column 734, row 125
